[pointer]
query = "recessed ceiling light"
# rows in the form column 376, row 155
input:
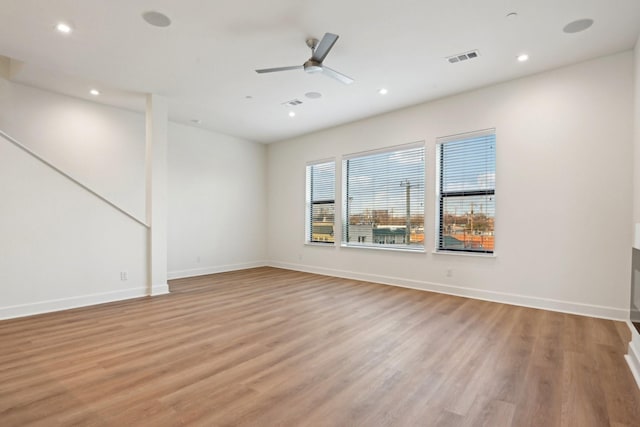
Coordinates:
column 196, row 121
column 313, row 95
column 523, row 58
column 156, row 19
column 94, row 92
column 292, row 113
column 383, row 91
column 64, row 28
column 577, row 26
column 512, row 15
column 248, row 97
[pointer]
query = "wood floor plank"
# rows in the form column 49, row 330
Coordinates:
column 272, row 347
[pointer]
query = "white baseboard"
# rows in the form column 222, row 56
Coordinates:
column 506, row 298
column 633, row 356
column 30, row 309
column 603, row 312
column 161, row 289
column 22, row 310
column 181, row 274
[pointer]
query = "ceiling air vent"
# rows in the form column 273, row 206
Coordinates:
column 292, row 103
column 463, row 56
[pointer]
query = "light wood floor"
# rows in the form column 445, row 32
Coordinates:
column 269, row 347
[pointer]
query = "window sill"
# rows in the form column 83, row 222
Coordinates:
column 378, row 248
column 320, row 244
column 461, row 253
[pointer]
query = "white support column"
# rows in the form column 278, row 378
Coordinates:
column 633, row 355
column 156, row 191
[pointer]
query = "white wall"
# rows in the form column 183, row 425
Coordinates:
column 61, row 246
column 217, row 202
column 633, row 355
column 636, row 172
column 563, row 191
column 102, row 147
column 636, row 151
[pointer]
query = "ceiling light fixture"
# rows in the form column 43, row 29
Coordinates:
column 196, row 121
column 383, row 91
column 292, row 114
column 578, row 26
column 94, row 92
column 156, row 19
column 523, row 58
column 512, row 15
column 313, row 95
column 64, row 28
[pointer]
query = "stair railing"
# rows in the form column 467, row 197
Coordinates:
column 69, row 177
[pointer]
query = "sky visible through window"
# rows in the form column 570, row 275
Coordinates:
column 379, row 182
column 468, row 165
column 323, row 180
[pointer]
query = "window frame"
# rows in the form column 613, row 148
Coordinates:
column 441, row 195
column 310, row 203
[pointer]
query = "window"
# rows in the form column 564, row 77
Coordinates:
column 466, row 192
column 384, row 198
column 321, row 178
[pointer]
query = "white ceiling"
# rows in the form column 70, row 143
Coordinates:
column 204, row 62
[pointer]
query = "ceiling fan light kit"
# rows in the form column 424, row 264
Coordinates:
column 312, row 66
column 319, row 51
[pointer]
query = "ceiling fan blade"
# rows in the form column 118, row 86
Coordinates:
column 273, row 70
column 324, row 47
column 336, row 75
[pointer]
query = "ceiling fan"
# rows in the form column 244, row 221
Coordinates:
column 314, row 64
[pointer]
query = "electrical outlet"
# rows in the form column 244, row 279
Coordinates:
column 124, row 276
column 449, row 272
column 198, row 259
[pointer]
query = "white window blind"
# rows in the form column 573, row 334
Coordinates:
column 466, row 192
column 384, row 198
column 321, row 178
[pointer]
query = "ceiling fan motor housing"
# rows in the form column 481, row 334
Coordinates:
column 312, row 66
